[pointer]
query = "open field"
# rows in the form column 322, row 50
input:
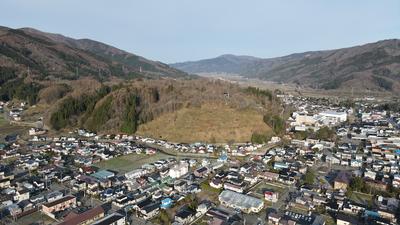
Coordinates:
column 208, row 123
column 129, row 162
column 35, row 217
column 208, row 192
column 262, row 187
column 361, row 198
column 11, row 129
column 6, row 129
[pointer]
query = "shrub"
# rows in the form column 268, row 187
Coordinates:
column 258, row 138
column 259, row 92
column 325, row 133
column 275, row 122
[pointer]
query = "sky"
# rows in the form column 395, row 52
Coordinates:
column 182, row 30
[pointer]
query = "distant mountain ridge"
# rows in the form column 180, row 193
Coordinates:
column 222, row 64
column 374, row 66
column 48, row 55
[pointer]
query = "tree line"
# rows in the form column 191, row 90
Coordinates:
column 18, row 89
column 74, row 107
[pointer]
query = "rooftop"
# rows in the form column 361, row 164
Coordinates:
column 238, row 199
column 110, row 219
column 103, row 174
column 59, row 201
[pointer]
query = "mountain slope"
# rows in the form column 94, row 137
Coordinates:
column 221, row 64
column 374, row 66
column 49, row 56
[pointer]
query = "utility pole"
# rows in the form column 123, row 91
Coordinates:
column 352, row 92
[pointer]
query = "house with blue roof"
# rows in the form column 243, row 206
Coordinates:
column 103, row 174
column 166, row 203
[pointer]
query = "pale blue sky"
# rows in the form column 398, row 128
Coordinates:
column 181, row 30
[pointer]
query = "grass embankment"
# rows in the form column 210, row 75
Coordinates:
column 208, row 123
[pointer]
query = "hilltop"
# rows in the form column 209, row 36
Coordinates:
column 184, row 110
column 374, row 66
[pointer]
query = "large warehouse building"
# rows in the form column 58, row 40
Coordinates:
column 246, row 203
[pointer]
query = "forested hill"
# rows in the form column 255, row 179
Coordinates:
column 193, row 110
column 46, row 56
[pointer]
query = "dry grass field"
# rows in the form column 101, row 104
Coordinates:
column 7, row 128
column 207, row 123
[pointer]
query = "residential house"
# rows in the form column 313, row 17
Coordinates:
column 341, row 181
column 184, row 216
column 59, row 205
column 112, row 219
column 84, row 218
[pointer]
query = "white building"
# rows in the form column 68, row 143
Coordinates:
column 179, row 170
column 370, row 174
column 246, row 203
column 339, row 116
column 271, row 196
column 135, row 173
column 112, row 219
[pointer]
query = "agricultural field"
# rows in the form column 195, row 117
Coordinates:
column 130, row 162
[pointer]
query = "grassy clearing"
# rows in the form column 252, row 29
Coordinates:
column 208, row 192
column 362, row 198
column 129, row 162
column 329, row 220
column 11, row 129
column 209, row 123
column 262, row 187
column 35, row 217
column 6, row 128
column 3, row 121
column 299, row 210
